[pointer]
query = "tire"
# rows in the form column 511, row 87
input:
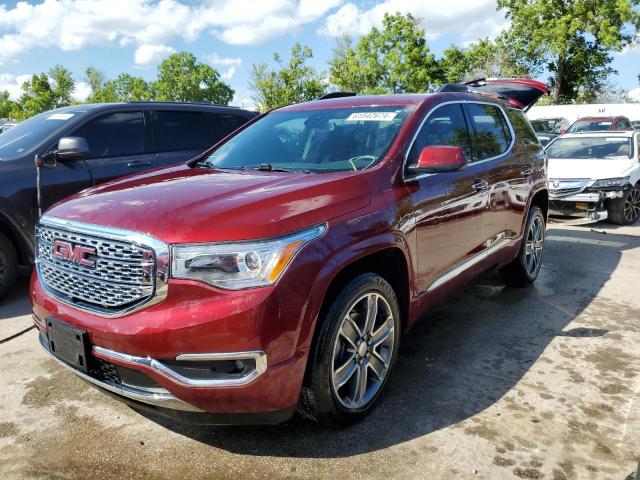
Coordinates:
column 524, row 270
column 329, row 394
column 8, row 265
column 625, row 210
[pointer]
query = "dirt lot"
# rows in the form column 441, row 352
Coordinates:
column 535, row 383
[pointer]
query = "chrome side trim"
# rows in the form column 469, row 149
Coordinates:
column 161, row 270
column 453, row 273
column 173, row 376
column 158, row 397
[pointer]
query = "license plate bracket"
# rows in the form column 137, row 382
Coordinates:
column 68, row 343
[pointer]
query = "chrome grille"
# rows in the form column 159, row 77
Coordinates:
column 122, row 275
column 564, row 188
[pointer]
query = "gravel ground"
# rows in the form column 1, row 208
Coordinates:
column 498, row 383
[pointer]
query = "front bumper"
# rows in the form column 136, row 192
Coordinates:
column 589, row 206
column 255, row 327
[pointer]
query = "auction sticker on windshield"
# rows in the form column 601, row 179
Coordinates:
column 371, row 116
column 60, row 116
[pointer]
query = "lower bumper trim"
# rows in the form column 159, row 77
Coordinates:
column 156, row 397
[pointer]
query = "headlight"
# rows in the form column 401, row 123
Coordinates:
column 235, row 266
column 611, row 182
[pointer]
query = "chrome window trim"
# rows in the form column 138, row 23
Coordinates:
column 161, row 250
column 167, row 372
column 159, row 397
column 452, row 102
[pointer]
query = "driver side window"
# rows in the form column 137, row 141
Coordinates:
column 444, row 126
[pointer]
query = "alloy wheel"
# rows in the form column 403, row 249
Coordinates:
column 534, row 246
column 632, row 205
column 363, row 351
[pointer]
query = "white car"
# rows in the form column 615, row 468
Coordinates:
column 596, row 175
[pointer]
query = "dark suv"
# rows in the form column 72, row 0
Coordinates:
column 85, row 145
column 280, row 269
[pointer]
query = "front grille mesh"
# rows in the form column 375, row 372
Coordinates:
column 123, row 274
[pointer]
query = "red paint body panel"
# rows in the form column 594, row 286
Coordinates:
column 434, row 224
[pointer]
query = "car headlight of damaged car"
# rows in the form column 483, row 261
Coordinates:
column 611, row 182
column 240, row 265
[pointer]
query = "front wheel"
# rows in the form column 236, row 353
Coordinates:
column 625, row 210
column 353, row 354
column 525, row 268
column 8, row 265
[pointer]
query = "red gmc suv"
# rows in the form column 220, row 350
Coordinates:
column 278, row 270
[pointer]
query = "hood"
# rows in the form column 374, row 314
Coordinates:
column 592, row 169
column 182, row 204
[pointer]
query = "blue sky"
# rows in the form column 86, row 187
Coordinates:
column 135, row 35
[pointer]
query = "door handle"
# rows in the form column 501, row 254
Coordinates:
column 527, row 171
column 139, row 163
column 480, row 184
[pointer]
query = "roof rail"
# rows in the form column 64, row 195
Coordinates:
column 337, row 95
column 208, row 104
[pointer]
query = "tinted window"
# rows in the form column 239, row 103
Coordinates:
column 28, row 135
column 490, row 134
column 181, row 131
column 114, row 135
column 623, row 124
column 590, row 126
column 521, row 125
column 444, row 126
column 225, row 123
column 579, row 148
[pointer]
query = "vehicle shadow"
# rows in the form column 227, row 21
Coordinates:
column 458, row 361
column 17, row 302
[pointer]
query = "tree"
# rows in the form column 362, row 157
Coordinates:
column 573, row 38
column 7, row 106
column 483, row 59
column 293, row 82
column 125, row 88
column 181, row 78
column 45, row 92
column 395, row 59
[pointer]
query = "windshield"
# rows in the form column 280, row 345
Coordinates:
column 591, row 147
column 323, row 140
column 590, row 126
column 26, row 136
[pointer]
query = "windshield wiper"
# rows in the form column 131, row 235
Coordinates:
column 267, row 167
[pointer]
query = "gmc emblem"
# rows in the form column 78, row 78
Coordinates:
column 77, row 254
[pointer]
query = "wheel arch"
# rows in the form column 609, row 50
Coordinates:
column 11, row 230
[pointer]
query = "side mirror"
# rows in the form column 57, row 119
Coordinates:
column 72, row 148
column 439, row 159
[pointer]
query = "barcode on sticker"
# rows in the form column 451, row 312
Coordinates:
column 371, row 116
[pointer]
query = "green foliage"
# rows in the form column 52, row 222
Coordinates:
column 181, row 78
column 483, row 59
column 44, row 92
column 572, row 38
column 6, row 105
column 293, row 82
column 125, row 88
column 395, row 59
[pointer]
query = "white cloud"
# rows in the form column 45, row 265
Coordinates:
column 148, row 54
column 13, row 84
column 81, row 91
column 468, row 19
column 634, row 94
column 217, row 60
column 76, row 24
column 228, row 75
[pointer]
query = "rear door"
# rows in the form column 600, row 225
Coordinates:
column 179, row 135
column 449, row 207
column 225, row 123
column 117, row 145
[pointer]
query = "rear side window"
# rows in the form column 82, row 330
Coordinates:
column 444, row 126
column 175, row 130
column 225, row 123
column 522, row 126
column 490, row 135
column 622, row 124
column 114, row 135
